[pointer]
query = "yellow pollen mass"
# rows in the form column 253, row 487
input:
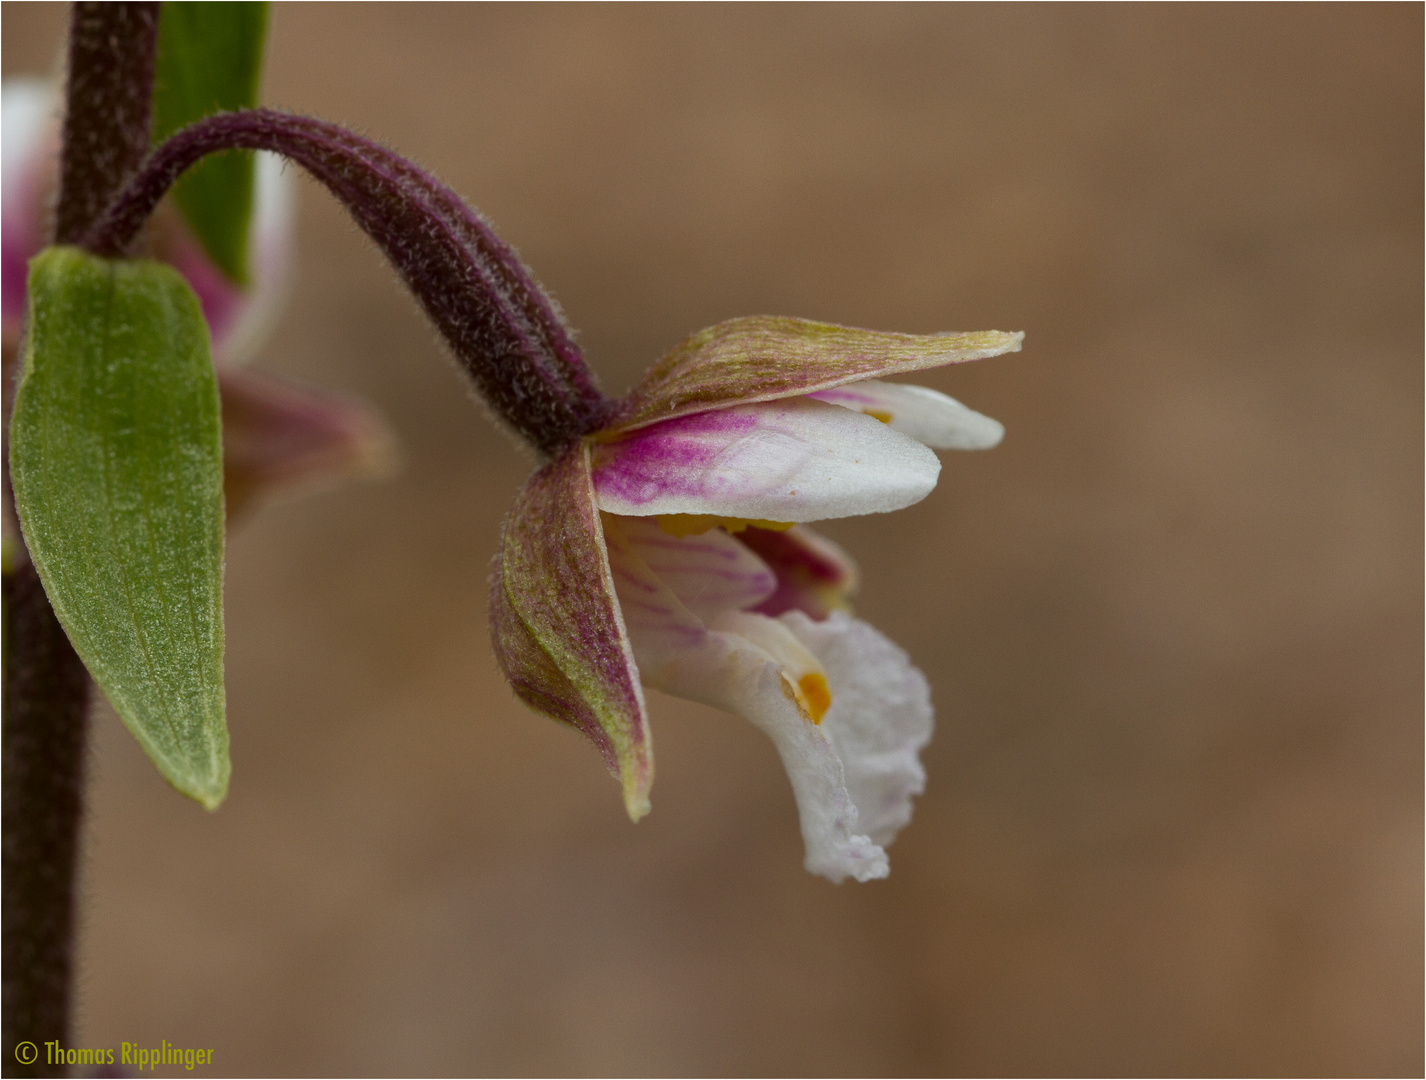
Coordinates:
column 698, row 524
column 877, row 414
column 816, row 694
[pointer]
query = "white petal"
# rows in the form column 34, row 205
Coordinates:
column 789, row 460
column 731, row 672
column 709, row 573
column 769, row 635
column 27, row 108
column 879, row 720
column 29, row 161
column 659, row 625
column 927, row 415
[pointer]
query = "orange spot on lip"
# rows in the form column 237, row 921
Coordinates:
column 816, row 695
column 877, row 414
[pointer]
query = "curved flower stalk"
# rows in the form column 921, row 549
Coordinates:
column 278, row 434
column 506, row 333
column 668, row 549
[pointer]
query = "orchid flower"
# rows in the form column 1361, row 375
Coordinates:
column 669, row 549
column 277, row 433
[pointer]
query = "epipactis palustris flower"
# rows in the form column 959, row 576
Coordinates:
column 663, row 541
column 669, row 549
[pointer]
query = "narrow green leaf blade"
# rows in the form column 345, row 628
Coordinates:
column 209, row 60
column 117, row 465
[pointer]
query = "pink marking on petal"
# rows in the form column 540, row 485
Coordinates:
column 671, row 457
column 14, row 257
column 708, row 574
column 20, row 240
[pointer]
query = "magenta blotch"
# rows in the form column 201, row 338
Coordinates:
column 672, row 457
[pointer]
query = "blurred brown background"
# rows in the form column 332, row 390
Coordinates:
column 1173, row 624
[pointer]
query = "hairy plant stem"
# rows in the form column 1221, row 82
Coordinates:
column 46, row 689
column 46, row 693
column 507, row 334
column 108, row 101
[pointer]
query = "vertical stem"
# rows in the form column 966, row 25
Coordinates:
column 46, row 689
column 108, row 101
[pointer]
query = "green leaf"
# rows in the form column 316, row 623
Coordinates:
column 209, row 60
column 117, row 465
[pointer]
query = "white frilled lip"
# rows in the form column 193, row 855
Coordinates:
column 686, row 606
